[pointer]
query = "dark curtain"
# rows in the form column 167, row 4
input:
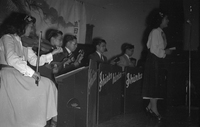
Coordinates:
column 175, row 29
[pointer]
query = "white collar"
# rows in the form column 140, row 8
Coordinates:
column 127, row 56
column 68, row 50
column 99, row 54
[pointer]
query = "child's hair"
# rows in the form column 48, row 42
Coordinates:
column 98, row 41
column 53, row 33
column 67, row 38
column 126, row 46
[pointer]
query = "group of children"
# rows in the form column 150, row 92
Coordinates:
column 23, row 103
column 123, row 60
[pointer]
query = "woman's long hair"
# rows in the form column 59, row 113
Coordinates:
column 16, row 23
column 155, row 18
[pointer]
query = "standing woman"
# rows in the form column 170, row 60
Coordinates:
column 23, row 103
column 154, row 88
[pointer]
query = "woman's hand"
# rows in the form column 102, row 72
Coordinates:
column 168, row 51
column 56, row 51
column 36, row 76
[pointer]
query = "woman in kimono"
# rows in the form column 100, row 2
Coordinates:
column 23, row 103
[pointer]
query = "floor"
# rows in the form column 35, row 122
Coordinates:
column 173, row 117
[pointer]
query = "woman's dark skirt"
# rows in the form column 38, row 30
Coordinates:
column 154, row 78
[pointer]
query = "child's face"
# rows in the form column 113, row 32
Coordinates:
column 72, row 45
column 129, row 52
column 101, row 48
column 57, row 41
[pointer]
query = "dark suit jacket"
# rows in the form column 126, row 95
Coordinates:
column 60, row 57
column 125, row 62
column 95, row 57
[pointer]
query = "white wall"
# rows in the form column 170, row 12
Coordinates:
column 119, row 21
